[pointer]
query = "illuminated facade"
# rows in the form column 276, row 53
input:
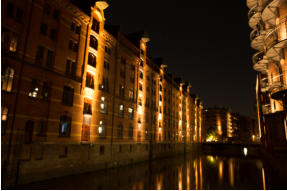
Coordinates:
column 70, row 81
column 267, row 18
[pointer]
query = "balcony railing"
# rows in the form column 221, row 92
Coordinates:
column 266, row 109
column 253, row 11
column 257, row 57
column 255, row 33
column 264, row 84
column 276, row 35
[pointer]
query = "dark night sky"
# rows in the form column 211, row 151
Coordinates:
column 205, row 42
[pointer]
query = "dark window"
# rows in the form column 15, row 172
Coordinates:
column 56, row 14
column 10, row 10
column 123, row 61
column 121, row 110
column 122, row 74
column 75, row 47
column 47, row 8
column 28, row 132
column 71, row 44
column 41, row 129
column 92, row 60
column 68, row 96
column 132, row 79
column 43, row 29
column 65, row 126
column 39, row 55
column 133, row 67
column 78, row 29
column 120, row 131
column 94, row 43
column 19, row 15
column 87, row 107
column 53, row 34
column 141, row 63
column 95, row 25
column 68, row 67
column 50, row 59
column 102, row 149
column 141, row 75
column 131, row 132
column 105, row 84
column 73, row 26
column 106, row 65
column 142, row 51
column 45, row 92
column 122, row 91
column 140, row 87
column 90, row 81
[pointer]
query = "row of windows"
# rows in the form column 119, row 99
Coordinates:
column 44, row 29
column 47, row 11
column 40, row 56
column 14, row 12
column 73, row 45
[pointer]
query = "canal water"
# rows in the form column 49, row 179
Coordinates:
column 189, row 172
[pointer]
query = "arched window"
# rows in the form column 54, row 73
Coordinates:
column 7, row 79
column 102, row 129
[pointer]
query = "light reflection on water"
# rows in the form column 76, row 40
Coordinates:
column 192, row 172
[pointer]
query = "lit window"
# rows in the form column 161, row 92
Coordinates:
column 4, row 116
column 130, row 113
column 103, row 105
column 87, row 107
column 13, row 45
column 102, row 129
column 65, row 126
column 92, row 60
column 34, row 90
column 90, row 81
column 121, row 110
column 7, row 79
column 131, row 95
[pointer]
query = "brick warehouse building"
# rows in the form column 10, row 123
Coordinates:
column 267, row 18
column 79, row 96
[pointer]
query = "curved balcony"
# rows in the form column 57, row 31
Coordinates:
column 257, row 39
column 254, row 16
column 270, row 13
column 260, row 62
column 264, row 84
column 251, row 3
column 275, row 40
column 278, row 88
column 266, row 108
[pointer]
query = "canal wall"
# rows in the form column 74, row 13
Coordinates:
column 45, row 161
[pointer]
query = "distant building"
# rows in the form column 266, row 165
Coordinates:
column 267, row 18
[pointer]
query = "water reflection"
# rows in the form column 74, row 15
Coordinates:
column 190, row 172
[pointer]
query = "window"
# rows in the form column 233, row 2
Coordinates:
column 76, row 47
column 146, row 134
column 133, row 67
column 120, row 131
column 56, row 14
column 140, row 87
column 122, row 74
column 105, row 84
column 142, row 51
column 95, row 25
column 123, row 61
column 131, row 95
column 130, row 113
column 73, row 26
column 121, row 110
column 141, row 64
column 39, row 55
column 4, row 116
column 141, row 75
column 87, row 107
column 13, row 44
column 92, row 59
column 78, row 29
column 107, row 50
column 102, row 149
column 131, row 132
column 41, row 129
column 122, row 91
column 10, row 10
column 45, row 93
column 102, row 129
column 50, row 59
column 90, row 81
column 53, row 34
column 106, row 65
column 47, row 9
column 68, row 96
column 19, row 15
column 34, row 89
column 94, row 42
column 103, row 105
column 7, row 79
column 71, row 44
column 132, row 79
column 43, row 29
column 65, row 126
